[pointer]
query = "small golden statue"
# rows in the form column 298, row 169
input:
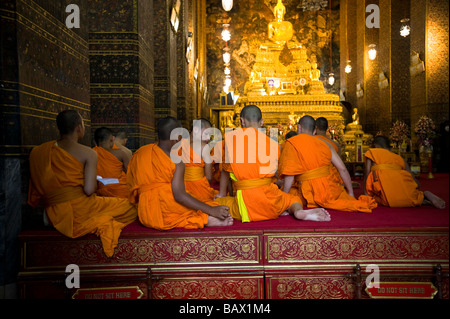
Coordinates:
column 279, row 30
column 355, row 116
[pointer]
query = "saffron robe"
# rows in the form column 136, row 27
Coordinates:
column 57, row 181
column 257, row 197
column 195, row 181
column 309, row 156
column 389, row 183
column 334, row 171
column 149, row 177
column 108, row 166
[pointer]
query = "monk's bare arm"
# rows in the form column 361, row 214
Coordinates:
column 180, row 195
column 288, row 180
column 90, row 171
column 340, row 166
column 367, row 168
column 224, row 182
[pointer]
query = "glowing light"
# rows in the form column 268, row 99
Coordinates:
column 227, row 5
column 331, row 79
column 226, row 57
column 226, row 35
column 372, row 52
column 348, row 67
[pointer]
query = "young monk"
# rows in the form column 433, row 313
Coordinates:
column 112, row 163
column 253, row 174
column 157, row 187
column 389, row 180
column 120, row 142
column 63, row 180
column 198, row 173
column 308, row 160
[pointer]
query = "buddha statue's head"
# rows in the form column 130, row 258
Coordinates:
column 279, row 11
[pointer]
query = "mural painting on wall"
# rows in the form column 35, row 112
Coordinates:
column 248, row 23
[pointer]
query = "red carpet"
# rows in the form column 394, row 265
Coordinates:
column 380, row 218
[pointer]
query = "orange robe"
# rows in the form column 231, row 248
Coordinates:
column 260, row 199
column 149, row 177
column 334, row 171
column 309, row 159
column 195, row 181
column 389, row 183
column 57, row 181
column 108, row 166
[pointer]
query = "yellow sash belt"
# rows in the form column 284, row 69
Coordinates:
column 314, row 173
column 193, row 173
column 247, row 184
column 62, row 195
column 385, row 166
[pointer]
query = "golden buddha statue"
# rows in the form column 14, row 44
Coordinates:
column 279, row 30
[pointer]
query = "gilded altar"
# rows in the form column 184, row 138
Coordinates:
column 285, row 83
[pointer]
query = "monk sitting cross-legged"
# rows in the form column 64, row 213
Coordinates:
column 389, row 180
column 63, row 180
column 251, row 161
column 157, row 187
column 308, row 159
column 112, row 163
column 198, row 173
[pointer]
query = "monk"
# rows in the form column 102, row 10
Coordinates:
column 157, row 187
column 308, row 160
column 389, row 180
column 253, row 175
column 63, row 180
column 321, row 132
column 198, row 174
column 112, row 164
column 120, row 142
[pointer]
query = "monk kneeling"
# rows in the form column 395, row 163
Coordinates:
column 63, row 179
column 257, row 197
column 389, row 180
column 309, row 160
column 112, row 164
column 157, row 187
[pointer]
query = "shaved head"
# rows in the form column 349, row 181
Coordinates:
column 321, row 124
column 382, row 141
column 204, row 123
column 251, row 113
column 165, row 127
column 307, row 123
column 67, row 121
column 102, row 134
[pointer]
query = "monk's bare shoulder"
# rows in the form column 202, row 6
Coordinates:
column 84, row 153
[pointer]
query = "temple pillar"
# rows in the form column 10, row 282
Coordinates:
column 429, row 89
column 121, row 59
column 45, row 69
column 165, row 62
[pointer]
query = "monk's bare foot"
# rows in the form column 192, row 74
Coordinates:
column 285, row 213
column 213, row 221
column 435, row 200
column 315, row 214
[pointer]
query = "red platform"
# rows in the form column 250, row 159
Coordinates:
column 283, row 258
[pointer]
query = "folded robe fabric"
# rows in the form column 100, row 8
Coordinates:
column 389, row 183
column 108, row 166
column 149, row 177
column 304, row 153
column 252, row 158
column 57, row 181
column 195, row 181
